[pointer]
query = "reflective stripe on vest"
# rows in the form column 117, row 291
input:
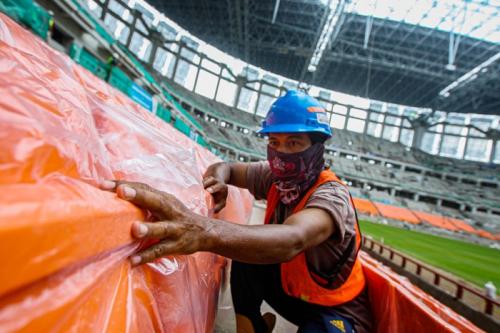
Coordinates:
column 296, row 279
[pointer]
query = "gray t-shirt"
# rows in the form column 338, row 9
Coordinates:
column 322, row 259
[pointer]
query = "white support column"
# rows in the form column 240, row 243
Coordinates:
column 452, row 51
column 368, row 30
column 492, row 152
column 275, row 13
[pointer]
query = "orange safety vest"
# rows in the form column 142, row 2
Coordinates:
column 296, row 279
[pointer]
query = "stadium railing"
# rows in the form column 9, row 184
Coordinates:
column 374, row 246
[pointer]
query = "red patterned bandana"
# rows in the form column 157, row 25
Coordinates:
column 293, row 174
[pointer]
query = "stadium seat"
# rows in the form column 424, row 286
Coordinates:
column 397, row 213
column 365, row 206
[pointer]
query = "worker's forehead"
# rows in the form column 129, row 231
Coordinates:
column 283, row 136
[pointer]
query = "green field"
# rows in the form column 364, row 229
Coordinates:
column 471, row 262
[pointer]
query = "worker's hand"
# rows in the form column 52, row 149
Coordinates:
column 214, row 181
column 178, row 230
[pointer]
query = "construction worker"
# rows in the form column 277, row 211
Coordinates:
column 304, row 260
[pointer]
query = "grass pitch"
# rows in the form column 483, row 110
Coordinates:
column 471, row 262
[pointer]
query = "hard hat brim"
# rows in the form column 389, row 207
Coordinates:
column 289, row 128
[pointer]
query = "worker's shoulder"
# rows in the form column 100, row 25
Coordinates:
column 333, row 186
column 331, row 189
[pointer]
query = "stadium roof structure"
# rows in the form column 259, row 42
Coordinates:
column 434, row 54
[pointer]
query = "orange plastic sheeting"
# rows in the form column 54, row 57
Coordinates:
column 462, row 225
column 399, row 306
column 436, row 220
column 365, row 206
column 396, row 213
column 486, row 234
column 64, row 243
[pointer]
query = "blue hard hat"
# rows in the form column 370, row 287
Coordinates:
column 296, row 112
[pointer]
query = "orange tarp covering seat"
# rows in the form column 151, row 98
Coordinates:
column 450, row 223
column 64, row 243
column 436, row 220
column 486, row 234
column 399, row 306
column 397, row 213
column 365, row 206
column 462, row 225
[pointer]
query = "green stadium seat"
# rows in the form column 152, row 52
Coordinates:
column 88, row 61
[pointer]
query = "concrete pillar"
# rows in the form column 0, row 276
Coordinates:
column 418, row 136
column 492, row 153
column 439, row 202
column 239, row 86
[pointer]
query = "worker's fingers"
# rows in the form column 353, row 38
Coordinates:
column 210, row 171
column 216, row 188
column 153, row 252
column 107, row 185
column 112, row 185
column 156, row 230
column 219, row 206
column 142, row 196
column 142, row 186
column 209, row 181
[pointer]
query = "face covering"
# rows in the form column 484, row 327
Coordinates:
column 293, row 174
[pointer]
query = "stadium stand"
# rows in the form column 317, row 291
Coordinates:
column 397, row 213
column 197, row 103
column 388, row 166
column 377, row 169
column 436, row 220
column 365, row 206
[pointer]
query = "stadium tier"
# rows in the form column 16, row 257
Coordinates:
column 377, row 168
column 387, row 173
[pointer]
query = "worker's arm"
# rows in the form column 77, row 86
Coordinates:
column 219, row 175
column 272, row 243
column 182, row 232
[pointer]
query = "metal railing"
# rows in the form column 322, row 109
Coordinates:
column 376, row 247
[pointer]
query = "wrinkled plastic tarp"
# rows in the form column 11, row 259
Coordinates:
column 399, row 306
column 64, row 243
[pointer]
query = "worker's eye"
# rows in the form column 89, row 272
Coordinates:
column 273, row 144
